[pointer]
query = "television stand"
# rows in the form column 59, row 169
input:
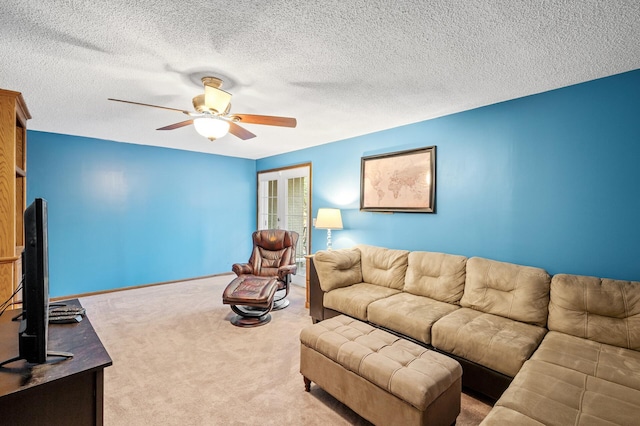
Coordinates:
column 71, row 392
column 59, row 355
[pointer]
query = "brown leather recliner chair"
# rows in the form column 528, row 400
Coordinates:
column 273, row 255
column 254, row 293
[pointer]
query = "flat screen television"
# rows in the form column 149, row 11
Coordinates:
column 33, row 331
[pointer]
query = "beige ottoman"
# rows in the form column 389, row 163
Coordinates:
column 385, row 379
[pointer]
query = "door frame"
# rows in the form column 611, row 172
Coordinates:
column 310, row 197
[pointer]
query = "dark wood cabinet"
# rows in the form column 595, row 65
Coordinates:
column 68, row 392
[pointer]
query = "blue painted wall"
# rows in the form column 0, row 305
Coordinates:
column 123, row 215
column 549, row 180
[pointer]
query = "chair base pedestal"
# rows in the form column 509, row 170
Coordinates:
column 247, row 322
column 280, row 304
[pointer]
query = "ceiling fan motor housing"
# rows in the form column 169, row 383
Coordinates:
column 212, row 81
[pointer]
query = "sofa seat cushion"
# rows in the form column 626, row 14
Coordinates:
column 490, row 340
column 439, row 276
column 382, row 266
column 500, row 416
column 409, row 314
column 354, row 299
column 512, row 291
column 607, row 362
column 549, row 394
column 600, row 309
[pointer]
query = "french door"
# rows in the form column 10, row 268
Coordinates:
column 284, row 202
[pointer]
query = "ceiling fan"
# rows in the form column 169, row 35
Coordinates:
column 212, row 117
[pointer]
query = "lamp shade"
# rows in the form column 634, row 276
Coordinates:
column 329, row 219
column 211, row 127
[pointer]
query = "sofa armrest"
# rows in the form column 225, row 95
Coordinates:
column 242, row 269
column 338, row 268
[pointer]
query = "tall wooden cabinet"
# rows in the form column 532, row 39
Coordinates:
column 13, row 186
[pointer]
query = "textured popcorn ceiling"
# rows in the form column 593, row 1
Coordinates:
column 342, row 68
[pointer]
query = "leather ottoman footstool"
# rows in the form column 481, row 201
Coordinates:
column 382, row 377
column 251, row 298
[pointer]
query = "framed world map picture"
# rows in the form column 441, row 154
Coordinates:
column 403, row 181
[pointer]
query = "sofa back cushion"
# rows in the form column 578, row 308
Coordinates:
column 598, row 309
column 438, row 276
column 383, row 266
column 338, row 268
column 512, row 291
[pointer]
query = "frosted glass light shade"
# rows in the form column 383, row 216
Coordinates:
column 329, row 219
column 211, row 127
column 216, row 99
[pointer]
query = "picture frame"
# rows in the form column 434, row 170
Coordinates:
column 401, row 181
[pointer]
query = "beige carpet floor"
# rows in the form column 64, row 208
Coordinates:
column 177, row 360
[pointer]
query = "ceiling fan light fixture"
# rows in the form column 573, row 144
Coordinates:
column 211, row 127
column 212, row 117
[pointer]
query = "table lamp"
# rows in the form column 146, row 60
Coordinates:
column 329, row 219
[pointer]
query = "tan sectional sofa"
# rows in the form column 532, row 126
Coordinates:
column 586, row 371
column 567, row 348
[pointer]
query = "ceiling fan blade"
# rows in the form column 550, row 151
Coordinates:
column 216, row 99
column 269, row 120
column 240, row 132
column 149, row 105
column 176, row 125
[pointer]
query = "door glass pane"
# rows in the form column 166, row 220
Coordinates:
column 272, row 213
column 297, row 220
column 268, row 201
